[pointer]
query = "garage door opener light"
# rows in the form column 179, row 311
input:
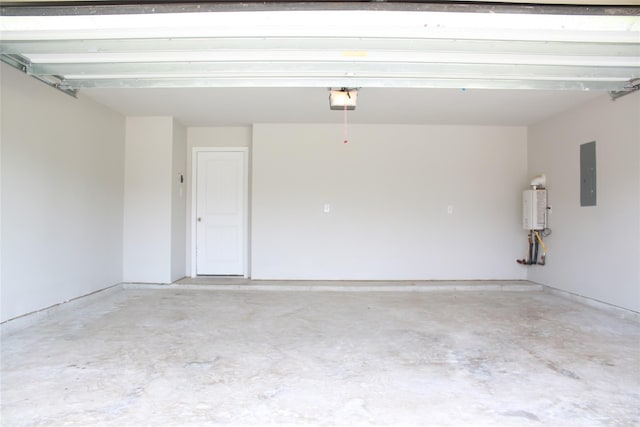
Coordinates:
column 344, row 98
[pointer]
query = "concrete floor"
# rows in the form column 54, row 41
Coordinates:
column 171, row 357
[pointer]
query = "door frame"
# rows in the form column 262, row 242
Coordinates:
column 194, row 201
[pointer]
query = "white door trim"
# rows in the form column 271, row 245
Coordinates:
column 245, row 197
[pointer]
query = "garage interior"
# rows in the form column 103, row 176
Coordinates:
column 334, row 266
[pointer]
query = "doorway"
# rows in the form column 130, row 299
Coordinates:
column 219, row 214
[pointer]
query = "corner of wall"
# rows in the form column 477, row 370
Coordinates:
column 179, row 201
column 590, row 251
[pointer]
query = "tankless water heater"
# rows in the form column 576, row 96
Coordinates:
column 534, row 209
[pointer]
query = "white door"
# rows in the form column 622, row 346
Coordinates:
column 220, row 213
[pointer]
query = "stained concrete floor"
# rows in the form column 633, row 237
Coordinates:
column 172, row 357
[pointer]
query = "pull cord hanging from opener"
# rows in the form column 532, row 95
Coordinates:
column 343, row 99
column 346, row 139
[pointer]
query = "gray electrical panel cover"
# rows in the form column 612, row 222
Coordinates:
column 588, row 174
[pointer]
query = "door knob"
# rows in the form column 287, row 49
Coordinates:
column 199, row 219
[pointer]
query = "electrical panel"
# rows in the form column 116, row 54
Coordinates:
column 534, row 209
column 588, row 174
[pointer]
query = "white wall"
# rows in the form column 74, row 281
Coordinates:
column 178, row 202
column 147, row 203
column 389, row 189
column 593, row 251
column 62, row 195
column 224, row 136
column 155, row 200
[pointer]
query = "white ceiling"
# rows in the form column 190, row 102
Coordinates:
column 244, row 106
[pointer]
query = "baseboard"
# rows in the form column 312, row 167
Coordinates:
column 220, row 284
column 29, row 319
column 620, row 312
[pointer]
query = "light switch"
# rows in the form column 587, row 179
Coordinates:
column 326, row 208
column 450, row 209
